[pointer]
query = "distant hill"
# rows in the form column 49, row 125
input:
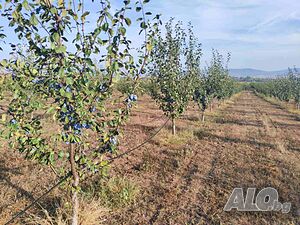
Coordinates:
column 248, row 72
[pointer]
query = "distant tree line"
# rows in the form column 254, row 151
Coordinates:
column 286, row 88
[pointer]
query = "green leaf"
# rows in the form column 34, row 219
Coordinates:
column 127, row 2
column 69, row 81
column 61, row 49
column 111, row 32
column 144, row 25
column 56, row 37
column 51, row 110
column 4, row 62
column 149, row 47
column 64, row 13
column 33, row 20
column 60, row 154
column 122, row 31
column 68, row 95
column 105, row 27
column 62, row 92
column 53, row 10
column 25, row 5
column 128, row 21
column 84, row 15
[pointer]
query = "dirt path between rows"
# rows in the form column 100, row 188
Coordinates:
column 187, row 179
column 250, row 143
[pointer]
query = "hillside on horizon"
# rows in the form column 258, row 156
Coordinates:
column 249, row 72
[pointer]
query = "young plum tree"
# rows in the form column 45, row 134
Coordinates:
column 213, row 83
column 61, row 78
column 171, row 83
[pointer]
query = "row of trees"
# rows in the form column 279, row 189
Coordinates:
column 176, row 76
column 55, row 73
column 284, row 88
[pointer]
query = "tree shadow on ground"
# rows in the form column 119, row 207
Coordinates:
column 206, row 135
column 252, row 123
column 286, row 125
column 47, row 203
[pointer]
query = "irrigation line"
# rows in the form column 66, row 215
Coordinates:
column 38, row 199
column 110, row 161
column 140, row 145
column 152, row 120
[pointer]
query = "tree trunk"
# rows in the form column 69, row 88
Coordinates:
column 203, row 117
column 173, row 126
column 75, row 175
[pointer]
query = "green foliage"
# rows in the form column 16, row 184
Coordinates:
column 124, row 86
column 171, row 81
column 116, row 192
column 284, row 88
column 214, row 82
column 54, row 74
column 2, row 35
column 146, row 86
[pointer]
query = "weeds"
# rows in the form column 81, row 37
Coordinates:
column 116, row 192
column 181, row 138
column 91, row 212
column 148, row 161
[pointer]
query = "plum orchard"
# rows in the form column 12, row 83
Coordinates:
column 214, row 83
column 285, row 88
column 176, row 75
column 61, row 78
column 174, row 63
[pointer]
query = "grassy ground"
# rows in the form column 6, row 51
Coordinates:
column 290, row 106
column 182, row 179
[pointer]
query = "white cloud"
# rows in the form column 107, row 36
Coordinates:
column 258, row 33
column 268, row 30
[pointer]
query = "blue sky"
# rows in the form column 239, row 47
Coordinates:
column 260, row 34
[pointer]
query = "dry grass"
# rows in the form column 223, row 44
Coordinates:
column 91, row 213
column 290, row 107
column 114, row 192
column 165, row 138
column 181, row 179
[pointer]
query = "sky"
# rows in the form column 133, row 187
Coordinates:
column 259, row 34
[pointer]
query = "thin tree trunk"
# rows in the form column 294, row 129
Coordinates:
column 173, row 126
column 75, row 175
column 203, row 117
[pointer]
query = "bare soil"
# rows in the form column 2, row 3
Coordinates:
column 187, row 179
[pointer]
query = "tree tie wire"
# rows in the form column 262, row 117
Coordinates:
column 69, row 174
